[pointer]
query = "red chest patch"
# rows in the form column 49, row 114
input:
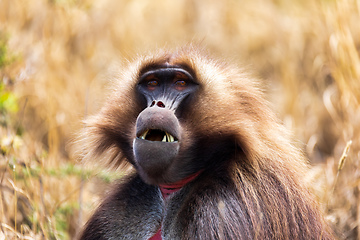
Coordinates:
column 167, row 189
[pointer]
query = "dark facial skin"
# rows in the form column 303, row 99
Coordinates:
column 158, row 131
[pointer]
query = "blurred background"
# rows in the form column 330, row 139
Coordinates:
column 57, row 58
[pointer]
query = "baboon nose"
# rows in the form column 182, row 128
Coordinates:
column 160, row 104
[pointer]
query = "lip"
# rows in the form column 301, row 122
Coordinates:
column 153, row 158
column 157, row 124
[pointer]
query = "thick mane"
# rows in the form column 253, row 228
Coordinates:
column 222, row 87
column 249, row 183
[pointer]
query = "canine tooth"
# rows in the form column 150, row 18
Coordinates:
column 143, row 136
column 170, row 137
column 164, row 139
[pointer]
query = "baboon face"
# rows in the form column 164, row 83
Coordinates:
column 170, row 115
column 176, row 113
column 164, row 91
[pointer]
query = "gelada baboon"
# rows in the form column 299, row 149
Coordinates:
column 211, row 159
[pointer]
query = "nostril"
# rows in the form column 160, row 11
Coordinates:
column 160, row 104
column 152, row 103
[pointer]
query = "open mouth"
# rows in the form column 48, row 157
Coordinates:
column 157, row 135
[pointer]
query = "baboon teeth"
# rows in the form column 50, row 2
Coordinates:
column 143, row 136
column 168, row 138
column 164, row 138
column 171, row 138
column 150, row 135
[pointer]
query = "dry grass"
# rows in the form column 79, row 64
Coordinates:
column 56, row 57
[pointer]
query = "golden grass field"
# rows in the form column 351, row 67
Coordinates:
column 57, row 58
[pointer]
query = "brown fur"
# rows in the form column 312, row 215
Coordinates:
column 251, row 190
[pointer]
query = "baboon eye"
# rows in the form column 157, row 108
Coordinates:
column 181, row 83
column 152, row 83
